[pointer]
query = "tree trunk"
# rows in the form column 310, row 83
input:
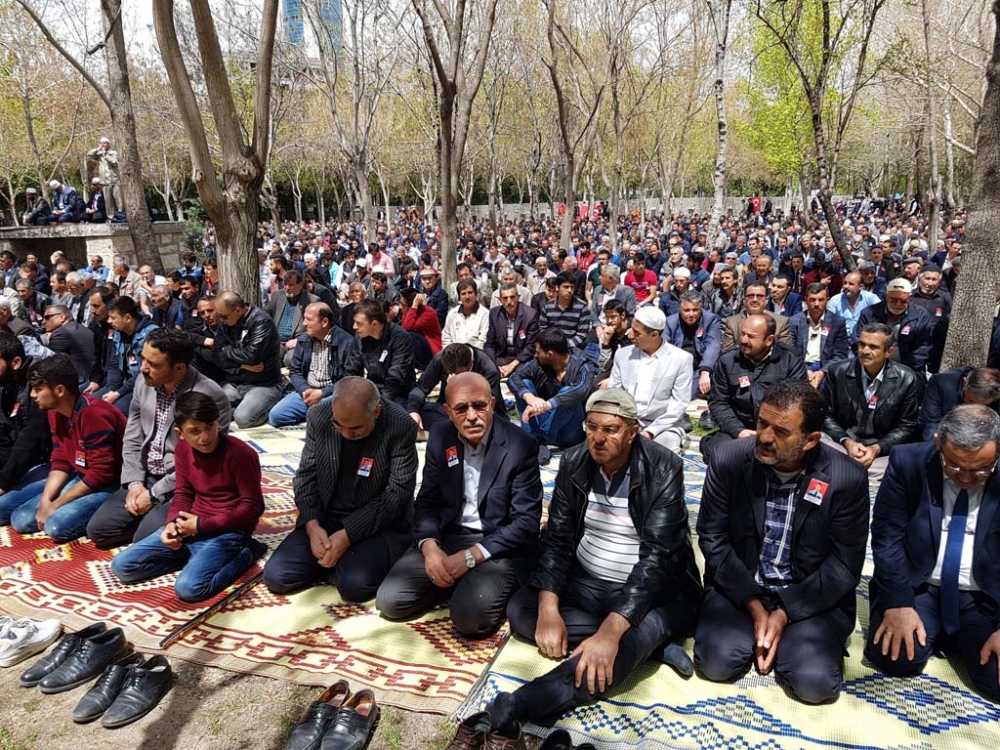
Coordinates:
column 720, row 19
column 976, row 293
column 123, row 126
column 949, row 156
column 569, row 201
column 825, row 188
column 934, row 184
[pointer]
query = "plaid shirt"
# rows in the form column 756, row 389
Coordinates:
column 164, row 420
column 319, row 368
column 775, row 571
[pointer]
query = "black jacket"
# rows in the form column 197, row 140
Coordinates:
column 77, row 342
column 739, row 384
column 389, row 362
column 344, row 359
column 666, row 567
column 254, row 339
column 914, row 339
column 435, row 376
column 892, row 420
column 25, row 438
column 828, row 537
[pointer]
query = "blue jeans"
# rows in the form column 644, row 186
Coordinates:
column 66, row 523
column 19, row 495
column 562, row 426
column 291, row 410
column 207, row 564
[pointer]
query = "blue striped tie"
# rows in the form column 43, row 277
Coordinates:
column 952, row 563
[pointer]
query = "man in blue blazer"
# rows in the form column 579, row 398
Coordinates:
column 476, row 517
column 963, row 385
column 936, row 543
column 820, row 337
column 698, row 332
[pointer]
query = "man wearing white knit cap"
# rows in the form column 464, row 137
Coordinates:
column 658, row 375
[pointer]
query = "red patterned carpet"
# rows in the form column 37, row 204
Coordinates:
column 309, row 638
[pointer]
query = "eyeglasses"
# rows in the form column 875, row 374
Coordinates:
column 754, row 296
column 951, row 468
column 477, row 406
column 611, row 431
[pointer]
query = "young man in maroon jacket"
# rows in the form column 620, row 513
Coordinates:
column 86, row 458
column 215, row 508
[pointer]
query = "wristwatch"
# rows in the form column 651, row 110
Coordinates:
column 470, row 561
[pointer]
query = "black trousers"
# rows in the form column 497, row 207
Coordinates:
column 113, row 526
column 976, row 617
column 478, row 600
column 810, row 659
column 584, row 604
column 712, row 441
column 359, row 572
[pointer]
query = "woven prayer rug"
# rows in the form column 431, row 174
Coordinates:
column 655, row 708
column 310, row 638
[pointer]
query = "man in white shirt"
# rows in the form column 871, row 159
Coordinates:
column 658, row 375
column 468, row 323
column 936, row 540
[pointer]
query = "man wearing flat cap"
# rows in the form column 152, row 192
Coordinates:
column 617, row 577
column 658, row 375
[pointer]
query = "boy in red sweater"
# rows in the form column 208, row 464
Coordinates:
column 86, row 461
column 215, row 508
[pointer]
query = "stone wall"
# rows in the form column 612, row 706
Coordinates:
column 79, row 242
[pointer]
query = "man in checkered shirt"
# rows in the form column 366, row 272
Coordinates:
column 783, row 527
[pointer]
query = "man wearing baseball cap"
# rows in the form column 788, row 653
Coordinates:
column 616, row 579
column 912, row 327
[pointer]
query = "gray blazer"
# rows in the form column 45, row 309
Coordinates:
column 622, row 293
column 276, row 308
column 142, row 425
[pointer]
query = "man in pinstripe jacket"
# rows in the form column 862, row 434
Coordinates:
column 354, row 492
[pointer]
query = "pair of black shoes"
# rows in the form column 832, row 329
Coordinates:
column 560, row 740
column 126, row 691
column 337, row 720
column 77, row 659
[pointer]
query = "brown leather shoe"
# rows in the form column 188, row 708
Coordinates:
column 497, row 741
column 470, row 733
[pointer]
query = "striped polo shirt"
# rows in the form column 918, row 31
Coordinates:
column 609, row 548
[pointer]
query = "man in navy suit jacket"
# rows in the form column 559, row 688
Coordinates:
column 834, row 342
column 698, row 332
column 963, row 385
column 783, row 528
column 476, row 517
column 936, row 543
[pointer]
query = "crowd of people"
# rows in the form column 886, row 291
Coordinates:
column 817, row 381
column 67, row 207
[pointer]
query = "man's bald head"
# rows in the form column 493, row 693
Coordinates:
column 470, row 405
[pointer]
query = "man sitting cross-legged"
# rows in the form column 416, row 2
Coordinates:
column 217, row 504
column 476, row 517
column 353, row 489
column 617, row 576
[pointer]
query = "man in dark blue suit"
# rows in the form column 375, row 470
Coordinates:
column 783, row 301
column 963, row 385
column 783, row 527
column 698, row 332
column 476, row 517
column 820, row 337
column 936, row 542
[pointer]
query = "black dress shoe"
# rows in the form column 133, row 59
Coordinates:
column 674, row 655
column 87, row 661
column 144, row 686
column 707, row 421
column 100, row 697
column 309, row 732
column 558, row 740
column 51, row 661
column 355, row 723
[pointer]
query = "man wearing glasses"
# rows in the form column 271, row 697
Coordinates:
column 476, row 517
column 616, row 579
column 754, row 303
column 936, row 540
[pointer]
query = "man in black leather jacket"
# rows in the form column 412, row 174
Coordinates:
column 248, row 351
column 609, row 606
column 873, row 402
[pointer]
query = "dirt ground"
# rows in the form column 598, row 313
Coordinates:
column 208, row 709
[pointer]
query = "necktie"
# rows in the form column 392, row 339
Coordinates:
column 952, row 562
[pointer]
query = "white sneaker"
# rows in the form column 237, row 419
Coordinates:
column 20, row 639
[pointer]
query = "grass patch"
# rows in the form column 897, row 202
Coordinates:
column 7, row 741
column 391, row 726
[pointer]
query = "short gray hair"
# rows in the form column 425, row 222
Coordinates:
column 970, row 427
column 120, row 262
column 355, row 388
column 5, row 302
column 612, row 270
column 74, row 278
column 983, row 382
